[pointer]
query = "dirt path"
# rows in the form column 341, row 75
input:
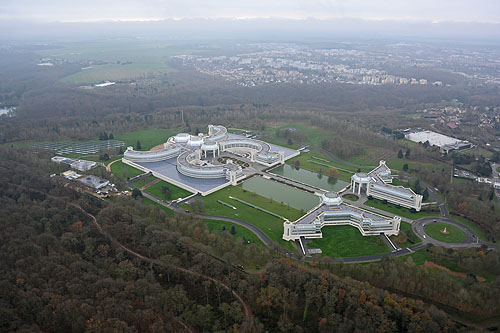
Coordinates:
column 450, row 272
column 108, row 167
column 150, row 184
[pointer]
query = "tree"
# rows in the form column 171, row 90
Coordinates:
column 405, row 167
column 417, row 187
column 136, row 193
column 120, row 151
column 426, row 144
column 111, row 136
column 166, row 191
column 400, row 154
column 224, row 227
column 425, row 195
column 233, row 230
column 290, row 142
column 333, row 172
column 492, row 194
column 407, row 154
column 139, row 147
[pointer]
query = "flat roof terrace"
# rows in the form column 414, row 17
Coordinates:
column 168, row 168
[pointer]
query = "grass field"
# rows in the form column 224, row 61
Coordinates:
column 473, row 226
column 175, row 191
column 455, row 234
column 149, row 138
column 143, row 181
column 305, row 162
column 142, row 58
column 124, row 171
column 347, row 241
column 398, row 210
column 150, row 202
column 351, row 197
column 272, row 226
column 216, row 226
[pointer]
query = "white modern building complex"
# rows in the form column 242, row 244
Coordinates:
column 376, row 183
column 198, row 157
column 333, row 211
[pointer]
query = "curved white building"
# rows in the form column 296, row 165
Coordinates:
column 376, row 184
column 332, row 211
column 195, row 154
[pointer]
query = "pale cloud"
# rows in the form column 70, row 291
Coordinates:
column 141, row 10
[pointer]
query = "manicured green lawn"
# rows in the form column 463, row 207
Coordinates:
column 124, row 171
column 143, row 181
column 400, row 211
column 310, row 161
column 216, row 226
column 351, row 197
column 272, row 226
column 406, row 227
column 455, row 234
column 347, row 241
column 175, row 191
column 149, row 138
column 473, row 226
column 150, row 202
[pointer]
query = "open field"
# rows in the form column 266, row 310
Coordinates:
column 216, row 226
column 270, row 225
column 307, row 160
column 124, row 171
column 347, row 241
column 398, row 210
column 150, row 202
column 149, row 138
column 143, row 181
column 117, row 59
column 455, row 234
column 175, row 191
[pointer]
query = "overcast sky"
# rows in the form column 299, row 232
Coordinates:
column 112, row 10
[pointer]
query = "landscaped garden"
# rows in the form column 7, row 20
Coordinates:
column 406, row 236
column 167, row 191
column 351, row 197
column 400, row 211
column 271, row 225
column 239, row 231
column 451, row 234
column 347, row 241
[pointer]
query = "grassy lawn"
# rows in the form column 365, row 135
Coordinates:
column 398, row 210
column 149, row 138
column 473, row 226
column 278, row 142
column 347, row 241
column 124, row 171
column 143, row 181
column 150, row 202
column 351, row 197
column 455, row 234
column 314, row 159
column 216, row 226
column 175, row 191
column 272, row 226
column 406, row 227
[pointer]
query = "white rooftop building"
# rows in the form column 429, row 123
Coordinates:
column 444, row 142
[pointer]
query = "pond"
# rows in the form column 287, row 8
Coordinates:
column 311, row 178
column 282, row 193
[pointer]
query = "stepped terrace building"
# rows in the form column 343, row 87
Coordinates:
column 204, row 163
column 333, row 211
column 377, row 184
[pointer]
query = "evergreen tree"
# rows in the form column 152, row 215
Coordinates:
column 136, row 193
column 111, row 136
column 492, row 194
column 120, row 152
column 139, row 147
column 425, row 195
column 407, row 154
column 224, row 228
column 400, row 154
column 405, row 167
column 417, row 188
column 233, row 230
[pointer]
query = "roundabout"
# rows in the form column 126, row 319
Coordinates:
column 445, row 232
